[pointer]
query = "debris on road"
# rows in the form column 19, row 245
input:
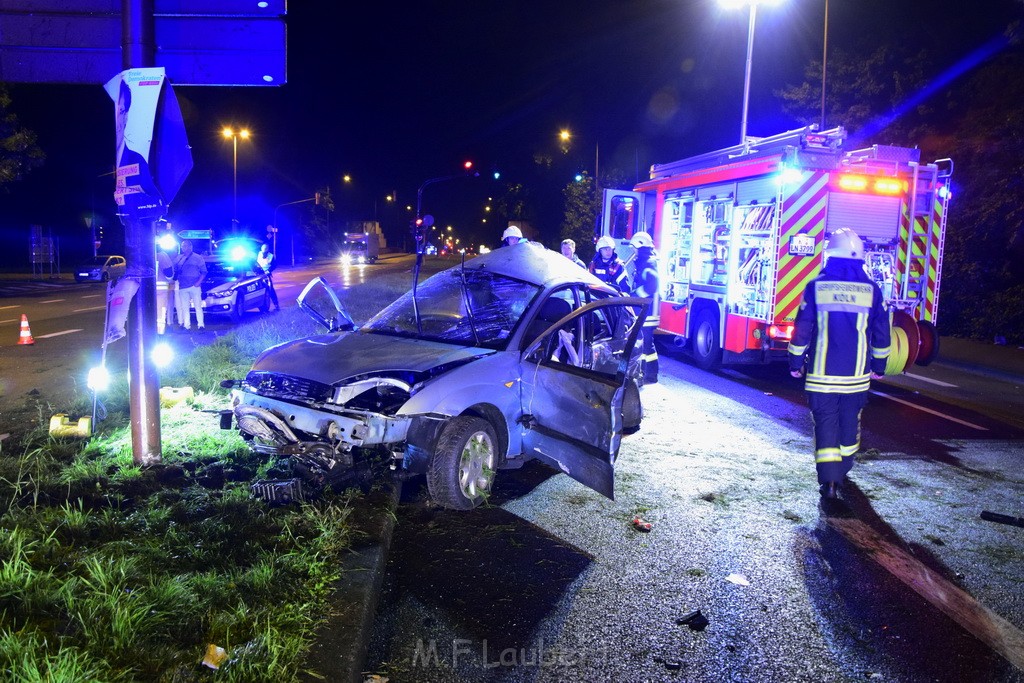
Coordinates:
column 215, row 656
column 738, row 579
column 641, row 525
column 695, row 620
column 1002, row 519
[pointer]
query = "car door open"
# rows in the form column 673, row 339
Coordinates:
column 575, row 377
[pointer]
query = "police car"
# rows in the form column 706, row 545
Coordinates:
column 232, row 287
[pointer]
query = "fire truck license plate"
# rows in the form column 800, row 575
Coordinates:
column 801, row 245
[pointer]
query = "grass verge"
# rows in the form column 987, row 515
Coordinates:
column 112, row 572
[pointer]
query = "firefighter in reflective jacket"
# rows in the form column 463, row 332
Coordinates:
column 647, row 285
column 607, row 266
column 842, row 333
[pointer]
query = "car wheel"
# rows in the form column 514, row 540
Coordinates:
column 105, row 277
column 706, row 344
column 461, row 471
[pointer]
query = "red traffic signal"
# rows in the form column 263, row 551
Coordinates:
column 468, row 165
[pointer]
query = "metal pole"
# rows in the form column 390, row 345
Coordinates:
column 234, row 210
column 746, row 78
column 137, row 50
column 824, row 60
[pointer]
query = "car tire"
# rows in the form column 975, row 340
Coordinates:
column 105, row 277
column 706, row 343
column 461, row 471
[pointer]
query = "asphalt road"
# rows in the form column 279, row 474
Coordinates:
column 901, row 580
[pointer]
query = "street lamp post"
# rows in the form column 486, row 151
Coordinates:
column 234, row 135
column 752, row 4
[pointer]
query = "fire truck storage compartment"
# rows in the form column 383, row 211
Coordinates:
column 750, row 288
column 873, row 217
column 712, row 232
column 677, row 236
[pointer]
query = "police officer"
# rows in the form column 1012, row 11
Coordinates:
column 607, row 266
column 842, row 334
column 647, row 286
column 267, row 262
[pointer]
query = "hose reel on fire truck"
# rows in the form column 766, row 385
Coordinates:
column 913, row 342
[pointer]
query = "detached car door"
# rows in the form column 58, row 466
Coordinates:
column 575, row 380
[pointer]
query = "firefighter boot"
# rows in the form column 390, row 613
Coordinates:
column 829, row 489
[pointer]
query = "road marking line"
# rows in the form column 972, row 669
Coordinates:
column 12, row 320
column 951, row 600
column 4, row 308
column 90, row 296
column 56, row 334
column 51, row 301
column 933, row 381
column 83, row 310
column 929, row 410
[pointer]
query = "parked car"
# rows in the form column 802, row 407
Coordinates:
column 514, row 355
column 233, row 287
column 101, row 268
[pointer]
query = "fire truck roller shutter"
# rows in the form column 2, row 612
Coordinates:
column 716, row 191
column 758, row 191
column 874, row 218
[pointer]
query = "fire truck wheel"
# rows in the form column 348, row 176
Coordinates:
column 929, row 350
column 706, row 345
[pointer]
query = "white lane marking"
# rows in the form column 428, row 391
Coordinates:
column 91, row 296
column 56, row 334
column 51, row 301
column 12, row 320
column 4, row 308
column 929, row 379
column 929, row 410
column 83, row 310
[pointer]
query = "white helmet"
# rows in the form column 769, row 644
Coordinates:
column 511, row 231
column 641, row 239
column 844, row 243
column 605, row 241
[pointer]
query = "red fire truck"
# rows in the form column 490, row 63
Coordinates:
column 741, row 231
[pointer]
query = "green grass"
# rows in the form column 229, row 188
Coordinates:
column 113, row 572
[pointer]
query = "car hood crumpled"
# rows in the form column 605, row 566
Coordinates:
column 330, row 359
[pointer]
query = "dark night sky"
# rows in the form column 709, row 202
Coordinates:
column 395, row 93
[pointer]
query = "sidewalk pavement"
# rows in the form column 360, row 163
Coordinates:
column 1004, row 362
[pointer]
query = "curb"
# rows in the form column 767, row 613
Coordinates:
column 339, row 649
column 977, row 369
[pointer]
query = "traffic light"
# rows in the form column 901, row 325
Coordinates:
column 468, row 165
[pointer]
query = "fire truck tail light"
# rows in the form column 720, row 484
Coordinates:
column 890, row 186
column 853, row 183
column 780, row 332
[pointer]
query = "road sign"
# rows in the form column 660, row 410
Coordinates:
column 195, row 234
column 221, row 42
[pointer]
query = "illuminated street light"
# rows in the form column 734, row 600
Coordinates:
column 752, row 4
column 234, row 135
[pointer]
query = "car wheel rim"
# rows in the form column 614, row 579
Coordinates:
column 476, row 466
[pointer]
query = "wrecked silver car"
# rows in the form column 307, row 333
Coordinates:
column 513, row 355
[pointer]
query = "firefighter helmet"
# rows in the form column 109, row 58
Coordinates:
column 605, row 241
column 641, row 239
column 844, row 243
column 511, row 231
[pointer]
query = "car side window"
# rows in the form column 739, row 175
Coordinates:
column 593, row 342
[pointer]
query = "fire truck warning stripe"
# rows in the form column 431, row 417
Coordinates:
column 790, row 294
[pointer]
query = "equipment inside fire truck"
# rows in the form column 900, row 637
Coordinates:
column 742, row 230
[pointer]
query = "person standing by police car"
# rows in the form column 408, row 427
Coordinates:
column 842, row 338
column 607, row 266
column 266, row 261
column 647, row 285
column 189, row 273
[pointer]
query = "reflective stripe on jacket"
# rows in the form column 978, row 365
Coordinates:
column 842, row 329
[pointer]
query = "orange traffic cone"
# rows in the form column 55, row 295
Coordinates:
column 26, row 334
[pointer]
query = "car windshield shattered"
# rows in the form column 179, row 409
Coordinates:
column 459, row 306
